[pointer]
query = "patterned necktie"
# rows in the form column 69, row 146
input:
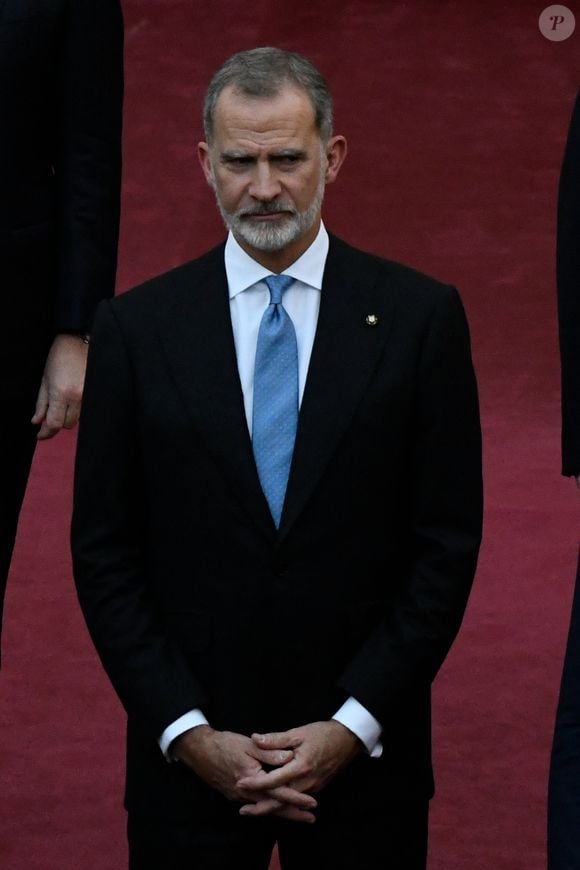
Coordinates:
column 275, row 414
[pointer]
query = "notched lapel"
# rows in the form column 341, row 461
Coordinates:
column 197, row 335
column 353, row 325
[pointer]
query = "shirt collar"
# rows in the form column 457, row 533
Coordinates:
column 242, row 271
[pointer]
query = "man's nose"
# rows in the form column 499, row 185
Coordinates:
column 265, row 184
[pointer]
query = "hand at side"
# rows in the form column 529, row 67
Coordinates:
column 58, row 405
column 223, row 758
column 320, row 750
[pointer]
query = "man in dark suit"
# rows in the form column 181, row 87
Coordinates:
column 272, row 594
column 564, row 791
column 60, row 159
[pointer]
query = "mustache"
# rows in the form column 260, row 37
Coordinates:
column 271, row 207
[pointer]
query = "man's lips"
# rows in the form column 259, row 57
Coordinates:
column 266, row 215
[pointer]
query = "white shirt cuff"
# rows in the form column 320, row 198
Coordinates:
column 180, row 726
column 363, row 725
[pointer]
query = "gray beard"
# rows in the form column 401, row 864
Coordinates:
column 272, row 237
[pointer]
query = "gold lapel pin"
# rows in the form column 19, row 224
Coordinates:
column 372, row 320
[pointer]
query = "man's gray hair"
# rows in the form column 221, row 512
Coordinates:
column 262, row 73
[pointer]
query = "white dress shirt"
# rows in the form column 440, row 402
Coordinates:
column 249, row 298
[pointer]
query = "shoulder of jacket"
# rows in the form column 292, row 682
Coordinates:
column 167, row 284
column 392, row 273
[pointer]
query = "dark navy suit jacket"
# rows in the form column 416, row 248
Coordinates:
column 564, row 790
column 568, row 269
column 60, row 166
column 192, row 596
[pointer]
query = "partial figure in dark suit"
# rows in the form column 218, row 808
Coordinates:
column 564, row 793
column 273, row 592
column 60, row 164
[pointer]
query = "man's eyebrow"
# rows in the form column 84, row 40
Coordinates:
column 235, row 155
column 289, row 152
column 239, row 154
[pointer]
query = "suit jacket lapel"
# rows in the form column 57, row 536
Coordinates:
column 345, row 353
column 195, row 329
column 198, row 339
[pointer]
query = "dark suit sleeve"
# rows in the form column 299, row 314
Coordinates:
column 568, row 269
column 88, row 159
column 405, row 652
column 109, row 534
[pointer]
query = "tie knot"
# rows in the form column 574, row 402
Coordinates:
column 277, row 285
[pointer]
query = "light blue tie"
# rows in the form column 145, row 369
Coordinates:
column 275, row 414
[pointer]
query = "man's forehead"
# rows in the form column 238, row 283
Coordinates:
column 290, row 107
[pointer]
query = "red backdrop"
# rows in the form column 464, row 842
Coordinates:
column 456, row 116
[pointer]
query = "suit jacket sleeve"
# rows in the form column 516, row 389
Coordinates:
column 88, row 159
column 109, row 532
column 406, row 650
column 568, row 270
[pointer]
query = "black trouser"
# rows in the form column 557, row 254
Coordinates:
column 564, row 790
column 17, row 442
column 393, row 837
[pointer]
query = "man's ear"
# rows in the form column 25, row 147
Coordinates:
column 205, row 162
column 335, row 154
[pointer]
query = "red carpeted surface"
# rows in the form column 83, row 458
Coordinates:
column 456, row 115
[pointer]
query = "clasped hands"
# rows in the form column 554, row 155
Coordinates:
column 301, row 762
